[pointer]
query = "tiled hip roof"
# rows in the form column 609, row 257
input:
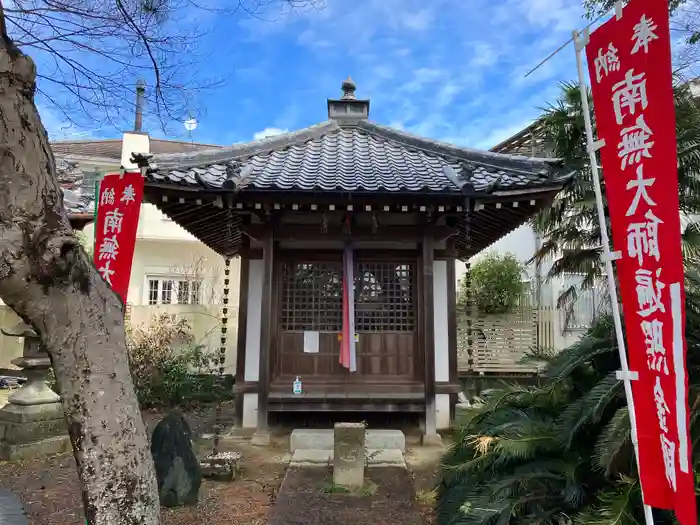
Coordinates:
column 365, row 158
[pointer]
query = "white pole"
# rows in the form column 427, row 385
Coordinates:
column 608, row 256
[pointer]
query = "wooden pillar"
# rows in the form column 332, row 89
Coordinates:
column 262, row 436
column 429, row 339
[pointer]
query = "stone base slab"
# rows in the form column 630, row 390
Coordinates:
column 18, row 433
column 222, row 466
column 322, row 439
column 46, row 447
column 324, row 458
column 233, row 434
column 31, row 413
column 261, row 439
column 431, row 440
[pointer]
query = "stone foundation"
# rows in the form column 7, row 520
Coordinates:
column 28, row 431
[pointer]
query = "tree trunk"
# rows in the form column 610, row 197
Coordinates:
column 48, row 279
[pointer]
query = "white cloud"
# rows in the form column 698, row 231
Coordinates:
column 59, row 127
column 418, row 21
column 485, row 55
column 426, row 72
column 269, row 132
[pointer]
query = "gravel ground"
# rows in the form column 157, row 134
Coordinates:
column 50, row 490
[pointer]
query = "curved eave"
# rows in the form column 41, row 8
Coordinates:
column 78, row 221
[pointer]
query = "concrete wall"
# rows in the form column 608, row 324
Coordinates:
column 205, row 324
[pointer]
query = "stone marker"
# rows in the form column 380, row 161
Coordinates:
column 349, row 455
column 11, row 509
column 177, row 469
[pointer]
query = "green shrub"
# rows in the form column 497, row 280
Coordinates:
column 167, row 369
column 496, row 283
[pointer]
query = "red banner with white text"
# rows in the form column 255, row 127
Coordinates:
column 629, row 62
column 118, row 208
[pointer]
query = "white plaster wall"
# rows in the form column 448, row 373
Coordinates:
column 250, row 411
column 134, row 143
column 252, row 342
column 442, row 411
column 153, row 225
column 442, row 342
column 172, row 258
column 178, row 257
column 520, row 242
column 440, row 322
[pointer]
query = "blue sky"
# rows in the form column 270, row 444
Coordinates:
column 451, row 70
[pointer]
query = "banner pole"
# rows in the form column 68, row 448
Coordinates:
column 592, row 146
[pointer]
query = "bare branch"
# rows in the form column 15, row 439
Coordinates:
column 90, row 53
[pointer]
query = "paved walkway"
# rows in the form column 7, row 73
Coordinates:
column 302, row 500
column 11, row 509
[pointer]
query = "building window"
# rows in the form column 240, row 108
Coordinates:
column 173, row 291
column 166, row 292
column 153, row 291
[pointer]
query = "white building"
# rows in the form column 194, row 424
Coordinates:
column 172, row 271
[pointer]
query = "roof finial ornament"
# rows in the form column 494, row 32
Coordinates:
column 348, row 88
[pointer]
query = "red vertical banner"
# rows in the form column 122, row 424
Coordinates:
column 118, row 208
column 629, row 62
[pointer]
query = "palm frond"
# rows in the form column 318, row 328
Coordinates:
column 613, row 443
column 589, row 408
column 614, row 507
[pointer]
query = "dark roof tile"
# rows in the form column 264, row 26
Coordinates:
column 366, row 157
column 112, row 148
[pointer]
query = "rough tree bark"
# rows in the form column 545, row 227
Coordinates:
column 47, row 278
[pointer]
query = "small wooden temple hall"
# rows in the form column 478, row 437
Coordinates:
column 348, row 233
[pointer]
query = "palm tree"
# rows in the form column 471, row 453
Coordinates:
column 560, row 453
column 570, row 226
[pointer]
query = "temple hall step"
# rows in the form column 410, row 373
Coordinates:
column 307, row 457
column 322, row 439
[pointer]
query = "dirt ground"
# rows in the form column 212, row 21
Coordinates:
column 50, row 491
column 305, row 498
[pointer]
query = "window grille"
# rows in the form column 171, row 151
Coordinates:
column 312, row 297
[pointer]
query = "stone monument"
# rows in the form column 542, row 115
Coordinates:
column 349, row 455
column 177, row 469
column 31, row 423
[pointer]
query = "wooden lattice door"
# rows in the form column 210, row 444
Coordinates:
column 385, row 319
column 311, row 301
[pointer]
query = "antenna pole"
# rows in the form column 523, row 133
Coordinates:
column 140, row 97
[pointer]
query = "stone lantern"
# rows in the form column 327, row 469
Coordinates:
column 31, row 423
